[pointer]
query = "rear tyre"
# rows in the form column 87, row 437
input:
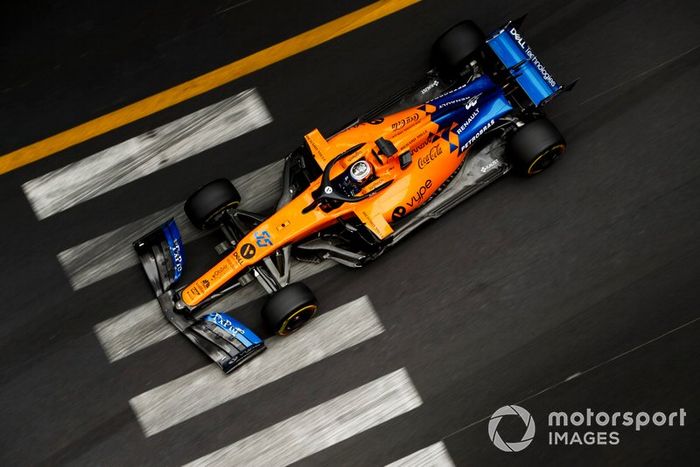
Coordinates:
column 458, row 46
column 290, row 308
column 535, row 146
column 207, row 203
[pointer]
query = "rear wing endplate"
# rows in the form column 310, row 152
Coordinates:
column 510, row 47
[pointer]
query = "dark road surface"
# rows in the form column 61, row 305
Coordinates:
column 590, row 269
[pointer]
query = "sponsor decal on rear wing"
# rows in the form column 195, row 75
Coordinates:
column 510, row 47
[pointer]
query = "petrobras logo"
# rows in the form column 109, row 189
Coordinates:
column 467, row 122
column 533, row 58
column 477, row 135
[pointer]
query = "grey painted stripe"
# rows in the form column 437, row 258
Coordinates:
column 435, row 455
column 147, row 153
column 190, row 395
column 110, row 253
column 144, row 325
column 322, row 426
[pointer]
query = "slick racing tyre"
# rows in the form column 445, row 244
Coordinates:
column 453, row 51
column 205, row 204
column 289, row 308
column 535, row 146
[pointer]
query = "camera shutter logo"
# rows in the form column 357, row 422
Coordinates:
column 514, row 446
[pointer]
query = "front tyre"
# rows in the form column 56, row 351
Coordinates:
column 290, row 308
column 206, row 204
column 458, row 46
column 535, row 146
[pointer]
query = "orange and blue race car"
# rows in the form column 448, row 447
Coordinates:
column 474, row 117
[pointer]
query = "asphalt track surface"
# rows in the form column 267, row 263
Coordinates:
column 589, row 269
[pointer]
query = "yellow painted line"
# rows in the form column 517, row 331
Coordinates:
column 201, row 84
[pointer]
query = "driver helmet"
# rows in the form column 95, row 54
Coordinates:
column 360, row 171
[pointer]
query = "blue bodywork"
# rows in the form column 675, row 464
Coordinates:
column 234, row 327
column 172, row 236
column 471, row 109
column 223, row 338
column 510, row 47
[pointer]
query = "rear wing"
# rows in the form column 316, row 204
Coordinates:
column 510, row 47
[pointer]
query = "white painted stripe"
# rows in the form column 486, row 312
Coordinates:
column 147, row 153
column 134, row 330
column 190, row 395
column 435, row 455
column 322, row 426
column 110, row 253
column 144, row 325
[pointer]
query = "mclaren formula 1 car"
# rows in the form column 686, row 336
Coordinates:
column 348, row 197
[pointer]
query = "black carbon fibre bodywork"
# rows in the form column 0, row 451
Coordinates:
column 228, row 346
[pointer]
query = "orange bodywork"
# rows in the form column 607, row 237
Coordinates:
column 435, row 157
